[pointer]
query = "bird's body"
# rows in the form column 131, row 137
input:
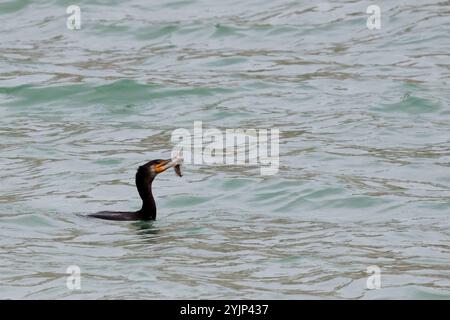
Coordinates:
column 118, row 215
column 144, row 179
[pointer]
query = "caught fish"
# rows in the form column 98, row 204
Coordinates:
column 177, row 160
column 178, row 170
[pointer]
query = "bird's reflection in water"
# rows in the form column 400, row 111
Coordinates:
column 147, row 231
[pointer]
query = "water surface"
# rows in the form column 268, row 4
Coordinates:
column 364, row 173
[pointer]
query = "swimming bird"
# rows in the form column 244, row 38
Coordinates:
column 144, row 179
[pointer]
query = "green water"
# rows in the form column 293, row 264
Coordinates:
column 364, row 125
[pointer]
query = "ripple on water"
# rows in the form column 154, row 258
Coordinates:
column 411, row 105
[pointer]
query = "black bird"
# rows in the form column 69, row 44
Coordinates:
column 144, row 178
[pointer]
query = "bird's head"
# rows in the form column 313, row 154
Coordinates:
column 152, row 168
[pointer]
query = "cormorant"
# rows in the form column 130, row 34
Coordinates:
column 144, row 178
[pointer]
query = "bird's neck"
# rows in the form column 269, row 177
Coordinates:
column 148, row 210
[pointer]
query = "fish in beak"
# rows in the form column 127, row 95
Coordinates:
column 163, row 165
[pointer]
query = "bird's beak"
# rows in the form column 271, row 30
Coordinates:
column 164, row 165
